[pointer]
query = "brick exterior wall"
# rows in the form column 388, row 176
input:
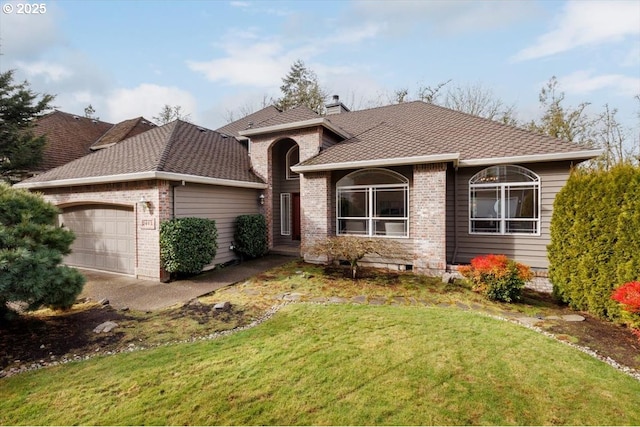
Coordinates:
column 315, row 193
column 147, row 239
column 428, row 218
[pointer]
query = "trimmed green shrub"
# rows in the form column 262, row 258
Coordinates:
column 31, row 248
column 251, row 236
column 497, row 277
column 187, row 244
column 595, row 236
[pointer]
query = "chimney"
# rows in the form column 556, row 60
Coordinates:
column 336, row 107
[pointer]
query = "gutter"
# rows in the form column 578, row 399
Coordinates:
column 321, row 121
column 398, row 161
column 140, row 176
column 533, row 158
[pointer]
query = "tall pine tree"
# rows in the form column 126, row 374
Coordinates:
column 300, row 87
column 20, row 149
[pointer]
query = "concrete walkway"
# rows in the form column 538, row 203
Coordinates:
column 146, row 295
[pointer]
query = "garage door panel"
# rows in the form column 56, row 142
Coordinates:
column 104, row 237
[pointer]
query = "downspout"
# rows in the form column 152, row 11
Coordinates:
column 173, row 196
column 455, row 213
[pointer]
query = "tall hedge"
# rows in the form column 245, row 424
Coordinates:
column 595, row 238
column 187, row 244
column 251, row 235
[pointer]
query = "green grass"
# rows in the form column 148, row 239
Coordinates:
column 337, row 364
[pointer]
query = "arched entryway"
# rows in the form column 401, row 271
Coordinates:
column 286, row 224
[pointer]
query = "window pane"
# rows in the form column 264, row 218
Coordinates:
column 353, row 203
column 522, row 226
column 372, row 177
column 390, row 203
column 353, row 226
column 285, row 214
column 481, row 226
column 525, row 205
column 391, row 228
column 484, row 203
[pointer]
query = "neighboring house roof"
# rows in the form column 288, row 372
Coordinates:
column 122, row 131
column 175, row 151
column 68, row 137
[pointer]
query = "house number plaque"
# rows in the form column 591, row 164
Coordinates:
column 148, row 224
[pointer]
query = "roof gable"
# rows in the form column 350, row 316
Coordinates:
column 122, row 131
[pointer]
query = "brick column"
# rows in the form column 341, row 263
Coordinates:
column 428, row 218
column 315, row 195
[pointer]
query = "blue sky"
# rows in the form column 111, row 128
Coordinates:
column 129, row 58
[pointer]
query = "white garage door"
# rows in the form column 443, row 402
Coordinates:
column 104, row 237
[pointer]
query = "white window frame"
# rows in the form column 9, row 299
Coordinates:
column 371, row 191
column 291, row 175
column 285, row 214
column 483, row 181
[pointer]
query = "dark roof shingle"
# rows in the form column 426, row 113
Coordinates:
column 177, row 147
column 68, row 137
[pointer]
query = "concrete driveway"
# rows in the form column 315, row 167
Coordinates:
column 146, row 295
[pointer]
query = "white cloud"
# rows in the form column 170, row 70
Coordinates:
column 585, row 23
column 462, row 16
column 147, row 100
column 257, row 61
column 51, row 72
column 24, row 36
column 582, row 82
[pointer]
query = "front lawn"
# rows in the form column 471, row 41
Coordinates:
column 337, row 364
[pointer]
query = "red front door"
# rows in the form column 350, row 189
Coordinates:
column 295, row 216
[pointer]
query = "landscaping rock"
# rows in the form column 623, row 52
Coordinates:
column 573, row 318
column 377, row 301
column 294, row 296
column 360, row 299
column 222, row 306
column 107, row 326
column 528, row 321
column 337, row 300
column 447, row 278
column 103, row 301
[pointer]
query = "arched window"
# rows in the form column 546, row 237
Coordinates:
column 293, row 158
column 373, row 202
column 504, row 200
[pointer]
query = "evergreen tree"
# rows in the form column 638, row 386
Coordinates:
column 20, row 149
column 300, row 87
column 31, row 249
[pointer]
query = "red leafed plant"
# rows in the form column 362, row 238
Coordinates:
column 629, row 296
column 497, row 277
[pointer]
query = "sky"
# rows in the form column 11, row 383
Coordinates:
column 218, row 58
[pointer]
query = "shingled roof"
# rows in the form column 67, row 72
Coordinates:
column 416, row 132
column 68, row 137
column 121, row 131
column 178, row 150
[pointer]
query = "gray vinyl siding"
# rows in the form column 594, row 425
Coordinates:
column 222, row 204
column 531, row 250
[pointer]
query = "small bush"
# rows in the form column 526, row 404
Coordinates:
column 251, row 236
column 187, row 244
column 353, row 249
column 628, row 295
column 497, row 277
